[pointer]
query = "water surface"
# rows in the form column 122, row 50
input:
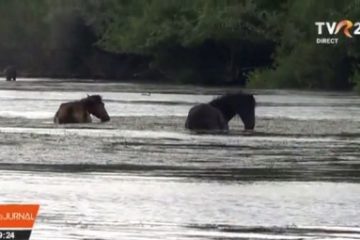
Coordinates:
column 143, row 176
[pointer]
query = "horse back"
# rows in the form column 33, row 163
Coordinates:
column 72, row 112
column 205, row 117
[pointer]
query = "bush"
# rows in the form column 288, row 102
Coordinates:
column 309, row 66
column 261, row 78
column 355, row 79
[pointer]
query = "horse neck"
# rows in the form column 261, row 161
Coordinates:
column 85, row 104
column 225, row 108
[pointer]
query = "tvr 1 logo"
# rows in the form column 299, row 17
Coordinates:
column 347, row 27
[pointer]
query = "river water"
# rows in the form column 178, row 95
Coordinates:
column 143, row 176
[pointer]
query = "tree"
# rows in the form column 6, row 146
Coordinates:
column 175, row 32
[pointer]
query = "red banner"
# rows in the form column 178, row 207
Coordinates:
column 18, row 215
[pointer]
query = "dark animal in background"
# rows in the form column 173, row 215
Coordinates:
column 80, row 111
column 10, row 73
column 216, row 114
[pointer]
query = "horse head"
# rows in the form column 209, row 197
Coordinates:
column 246, row 110
column 96, row 107
column 239, row 103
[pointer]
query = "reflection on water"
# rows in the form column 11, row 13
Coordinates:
column 143, row 176
column 87, row 206
column 19, row 103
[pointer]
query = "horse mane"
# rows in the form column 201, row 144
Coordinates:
column 92, row 99
column 230, row 103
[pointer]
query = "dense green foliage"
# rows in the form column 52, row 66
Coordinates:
column 264, row 44
column 299, row 61
column 198, row 41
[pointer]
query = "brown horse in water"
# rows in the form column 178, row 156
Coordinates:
column 215, row 115
column 79, row 111
column 10, row 73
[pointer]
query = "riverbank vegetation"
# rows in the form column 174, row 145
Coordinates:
column 258, row 44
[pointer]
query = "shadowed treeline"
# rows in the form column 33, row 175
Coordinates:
column 270, row 44
column 46, row 38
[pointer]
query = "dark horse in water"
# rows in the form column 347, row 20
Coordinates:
column 10, row 73
column 215, row 115
column 79, row 111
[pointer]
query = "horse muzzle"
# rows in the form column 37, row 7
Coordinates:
column 106, row 119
